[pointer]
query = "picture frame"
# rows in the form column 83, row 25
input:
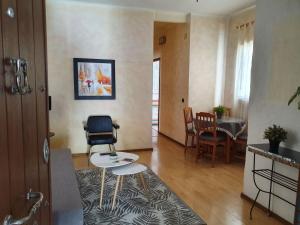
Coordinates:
column 94, row 79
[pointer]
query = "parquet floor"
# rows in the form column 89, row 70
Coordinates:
column 214, row 193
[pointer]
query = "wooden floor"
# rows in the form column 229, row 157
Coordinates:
column 214, row 193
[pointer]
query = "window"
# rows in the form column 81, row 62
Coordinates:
column 243, row 70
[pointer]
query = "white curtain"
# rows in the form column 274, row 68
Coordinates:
column 243, row 70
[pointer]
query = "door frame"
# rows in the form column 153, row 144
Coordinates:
column 159, row 77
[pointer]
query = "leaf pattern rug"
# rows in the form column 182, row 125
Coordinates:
column 134, row 205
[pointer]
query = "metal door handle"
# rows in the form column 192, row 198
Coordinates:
column 18, row 67
column 26, row 89
column 9, row 219
column 46, row 152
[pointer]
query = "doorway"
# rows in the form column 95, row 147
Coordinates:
column 155, row 96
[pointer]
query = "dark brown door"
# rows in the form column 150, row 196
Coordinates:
column 23, row 110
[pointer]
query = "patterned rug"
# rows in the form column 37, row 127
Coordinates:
column 157, row 205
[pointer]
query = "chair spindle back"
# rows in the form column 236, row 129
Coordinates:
column 188, row 118
column 206, row 122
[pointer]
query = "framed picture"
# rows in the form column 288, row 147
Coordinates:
column 94, row 79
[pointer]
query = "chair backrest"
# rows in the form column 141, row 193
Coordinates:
column 227, row 112
column 188, row 118
column 99, row 124
column 206, row 122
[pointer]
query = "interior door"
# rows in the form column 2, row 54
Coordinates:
column 24, row 171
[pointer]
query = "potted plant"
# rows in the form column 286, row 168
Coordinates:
column 275, row 135
column 297, row 93
column 219, row 110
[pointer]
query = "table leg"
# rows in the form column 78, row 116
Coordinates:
column 142, row 180
column 121, row 183
column 297, row 209
column 116, row 191
column 102, row 186
column 228, row 147
column 270, row 191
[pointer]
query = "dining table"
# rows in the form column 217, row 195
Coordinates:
column 233, row 127
column 104, row 161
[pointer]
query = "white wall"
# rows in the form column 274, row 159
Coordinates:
column 207, row 43
column 86, row 30
column 275, row 76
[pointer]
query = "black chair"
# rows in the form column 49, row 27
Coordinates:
column 100, row 130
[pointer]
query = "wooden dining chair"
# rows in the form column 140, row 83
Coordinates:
column 189, row 126
column 207, row 134
column 227, row 112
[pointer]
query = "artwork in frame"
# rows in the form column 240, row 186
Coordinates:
column 94, row 78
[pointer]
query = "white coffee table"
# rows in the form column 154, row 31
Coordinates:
column 105, row 161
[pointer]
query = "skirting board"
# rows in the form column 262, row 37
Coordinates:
column 277, row 217
column 128, row 150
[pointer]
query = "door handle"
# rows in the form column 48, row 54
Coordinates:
column 17, row 67
column 26, row 89
column 9, row 220
column 46, row 151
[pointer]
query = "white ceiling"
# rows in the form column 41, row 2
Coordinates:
column 203, row 7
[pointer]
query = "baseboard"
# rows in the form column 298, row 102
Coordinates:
column 79, row 154
column 258, row 205
column 138, row 150
column 166, row 136
column 126, row 150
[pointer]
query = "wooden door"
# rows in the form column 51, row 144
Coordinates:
column 23, row 117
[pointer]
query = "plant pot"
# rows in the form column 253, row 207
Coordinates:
column 219, row 115
column 274, row 146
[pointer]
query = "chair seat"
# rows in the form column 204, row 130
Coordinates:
column 101, row 139
column 130, row 169
column 206, row 136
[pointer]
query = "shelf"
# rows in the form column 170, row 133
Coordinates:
column 278, row 178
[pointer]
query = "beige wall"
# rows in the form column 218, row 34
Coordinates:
column 234, row 21
column 205, row 47
column 192, row 63
column 174, row 77
column 275, row 76
column 86, row 30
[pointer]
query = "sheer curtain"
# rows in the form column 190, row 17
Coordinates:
column 243, row 70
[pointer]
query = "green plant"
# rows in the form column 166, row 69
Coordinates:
column 219, row 109
column 297, row 93
column 275, row 133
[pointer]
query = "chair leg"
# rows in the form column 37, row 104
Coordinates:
column 197, row 147
column 109, row 148
column 228, row 148
column 112, row 148
column 89, row 152
column 193, row 137
column 186, row 140
column 213, row 156
column 116, row 191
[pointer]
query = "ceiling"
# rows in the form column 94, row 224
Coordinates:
column 203, row 7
